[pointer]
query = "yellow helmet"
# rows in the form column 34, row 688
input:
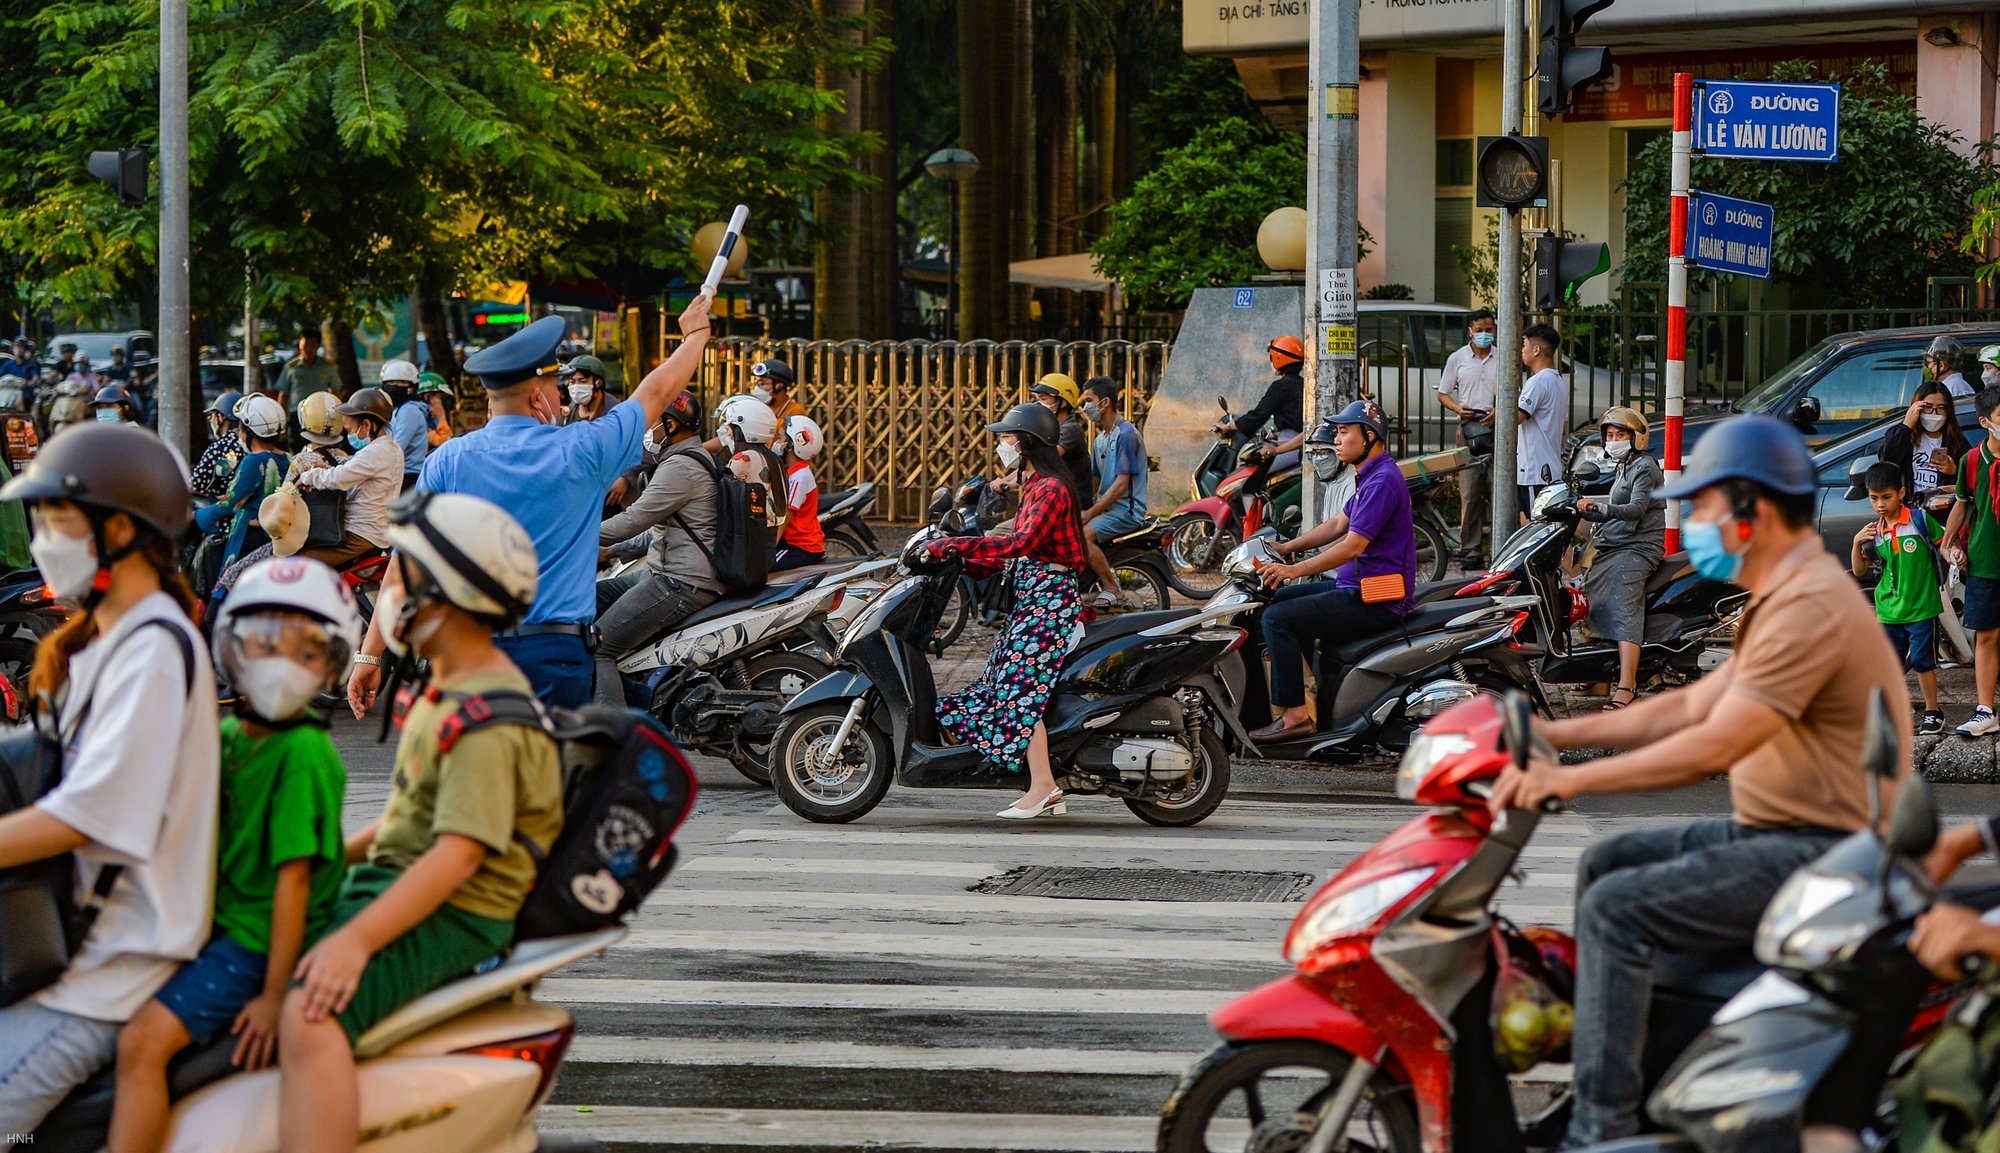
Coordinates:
column 1060, row 385
column 318, row 420
column 1618, row 416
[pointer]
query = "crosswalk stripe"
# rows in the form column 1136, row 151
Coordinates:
column 1003, row 944
column 960, row 904
column 837, row 866
column 848, row 1055
column 853, row 1129
column 936, row 998
column 1121, row 844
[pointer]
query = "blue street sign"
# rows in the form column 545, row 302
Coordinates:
column 1753, row 120
column 1730, row 235
column 1246, row 297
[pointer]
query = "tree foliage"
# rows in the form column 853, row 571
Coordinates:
column 1865, row 230
column 348, row 151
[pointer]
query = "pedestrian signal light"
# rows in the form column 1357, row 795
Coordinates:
column 1512, row 172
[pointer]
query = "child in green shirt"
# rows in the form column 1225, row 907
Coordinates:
column 1907, row 600
column 438, row 879
column 283, row 636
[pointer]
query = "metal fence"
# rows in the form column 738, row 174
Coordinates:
column 1612, row 355
column 910, row 415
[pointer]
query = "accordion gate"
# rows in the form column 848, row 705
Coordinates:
column 910, row 415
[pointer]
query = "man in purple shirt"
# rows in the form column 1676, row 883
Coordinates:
column 1375, row 552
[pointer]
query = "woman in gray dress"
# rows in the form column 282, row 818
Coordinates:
column 1631, row 538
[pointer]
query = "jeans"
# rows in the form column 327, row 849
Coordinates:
column 633, row 609
column 1301, row 616
column 43, row 1055
column 557, row 665
column 1694, row 888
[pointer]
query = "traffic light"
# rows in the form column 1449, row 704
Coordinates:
column 1512, row 172
column 1563, row 70
column 125, row 171
column 1561, row 265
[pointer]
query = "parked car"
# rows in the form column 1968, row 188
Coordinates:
column 98, row 345
column 1846, row 383
column 1843, row 502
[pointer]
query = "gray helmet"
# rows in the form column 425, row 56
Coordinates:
column 1945, row 348
column 225, row 405
column 1752, row 447
column 109, row 468
column 1034, row 420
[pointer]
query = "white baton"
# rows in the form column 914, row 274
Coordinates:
column 720, row 264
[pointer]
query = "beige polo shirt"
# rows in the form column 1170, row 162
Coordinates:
column 1810, row 648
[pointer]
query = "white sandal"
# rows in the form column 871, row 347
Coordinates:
column 1055, row 804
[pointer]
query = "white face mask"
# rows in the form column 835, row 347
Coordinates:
column 761, row 393
column 278, row 689
column 1932, row 421
column 727, row 434
column 651, row 443
column 1617, row 449
column 389, row 609
column 69, row 564
column 581, row 393
column 1010, row 455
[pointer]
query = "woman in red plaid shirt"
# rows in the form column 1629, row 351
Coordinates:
column 1001, row 712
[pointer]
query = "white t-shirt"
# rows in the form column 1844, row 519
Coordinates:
column 1470, row 379
column 140, row 781
column 372, row 479
column 1958, row 385
column 1538, row 438
column 1922, row 471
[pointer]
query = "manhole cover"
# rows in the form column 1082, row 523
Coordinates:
column 1146, row 884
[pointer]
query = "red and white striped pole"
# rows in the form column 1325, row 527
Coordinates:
column 1677, row 294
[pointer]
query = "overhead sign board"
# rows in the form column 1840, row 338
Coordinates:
column 1754, row 120
column 1730, row 235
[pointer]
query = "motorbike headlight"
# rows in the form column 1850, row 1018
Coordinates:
column 1423, row 755
column 1355, row 909
column 1549, row 498
column 1784, row 937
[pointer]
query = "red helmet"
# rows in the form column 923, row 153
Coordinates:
column 1286, row 349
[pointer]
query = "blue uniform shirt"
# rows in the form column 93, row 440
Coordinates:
column 410, row 428
column 552, row 479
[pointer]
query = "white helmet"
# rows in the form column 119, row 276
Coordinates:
column 1990, row 355
column 742, row 420
column 264, row 417
column 481, row 558
column 394, row 371
column 805, row 437
column 287, row 605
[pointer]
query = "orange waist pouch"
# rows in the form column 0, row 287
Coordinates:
column 1386, row 587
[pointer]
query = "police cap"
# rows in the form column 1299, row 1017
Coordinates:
column 523, row 356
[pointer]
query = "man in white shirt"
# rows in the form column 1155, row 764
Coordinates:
column 1466, row 389
column 1943, row 357
column 372, row 478
column 1538, row 438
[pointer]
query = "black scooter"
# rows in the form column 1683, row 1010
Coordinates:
column 840, row 513
column 1138, row 713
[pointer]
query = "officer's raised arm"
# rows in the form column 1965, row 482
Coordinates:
column 671, row 377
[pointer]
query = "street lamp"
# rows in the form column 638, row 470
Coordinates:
column 953, row 166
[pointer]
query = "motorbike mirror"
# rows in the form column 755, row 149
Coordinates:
column 1913, row 823
column 1879, row 754
column 1516, row 726
column 1587, row 471
column 1222, row 402
column 1547, row 476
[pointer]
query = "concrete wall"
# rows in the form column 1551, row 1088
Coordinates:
column 1410, row 180
column 1371, row 203
column 1955, row 83
column 1219, row 352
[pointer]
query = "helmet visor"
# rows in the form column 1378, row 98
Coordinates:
column 305, row 641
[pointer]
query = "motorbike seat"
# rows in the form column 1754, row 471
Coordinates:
column 81, row 1122
column 1429, row 591
column 1151, row 526
column 1669, row 570
column 1421, row 619
column 1105, row 629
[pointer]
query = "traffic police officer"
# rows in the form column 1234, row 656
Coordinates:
column 552, row 478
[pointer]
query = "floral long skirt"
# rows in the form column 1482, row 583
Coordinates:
column 997, row 713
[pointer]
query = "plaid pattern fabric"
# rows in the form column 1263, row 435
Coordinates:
column 1045, row 529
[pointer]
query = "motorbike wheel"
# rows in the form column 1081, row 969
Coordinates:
column 1145, row 584
column 1204, row 1111
column 1195, row 555
column 842, row 546
column 829, row 794
column 778, row 671
column 1433, row 552
column 957, row 611
column 1205, row 790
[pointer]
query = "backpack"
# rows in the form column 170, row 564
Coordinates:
column 744, row 540
column 45, row 922
column 625, row 790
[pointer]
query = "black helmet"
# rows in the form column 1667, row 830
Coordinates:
column 776, row 370
column 109, row 468
column 1324, row 434
column 1031, row 419
column 1363, row 412
column 111, row 394
column 1751, row 447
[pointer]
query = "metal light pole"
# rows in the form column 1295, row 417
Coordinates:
column 954, row 166
column 175, row 336
column 1507, row 286
column 253, row 337
column 1333, row 178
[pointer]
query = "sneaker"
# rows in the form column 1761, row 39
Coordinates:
column 1983, row 722
column 1933, row 723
